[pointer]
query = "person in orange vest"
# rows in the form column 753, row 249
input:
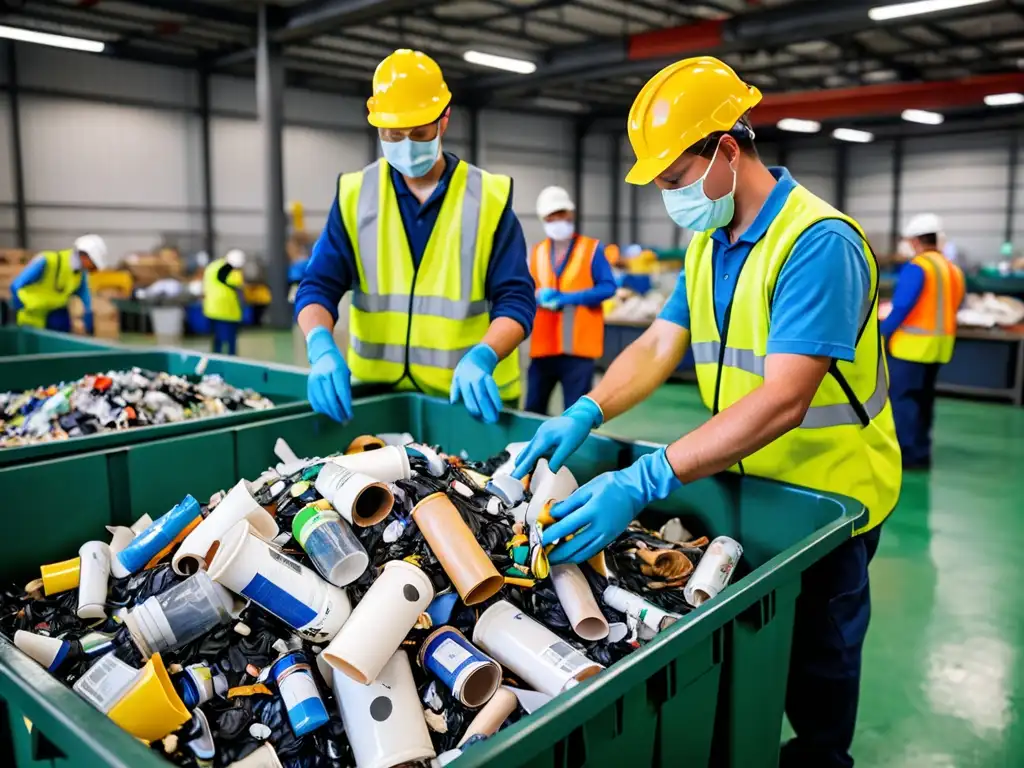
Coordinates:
column 921, row 333
column 573, row 278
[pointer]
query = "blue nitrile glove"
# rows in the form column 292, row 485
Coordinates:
column 329, row 386
column 603, row 508
column 473, row 383
column 87, row 321
column 550, row 298
column 589, row 297
column 559, row 438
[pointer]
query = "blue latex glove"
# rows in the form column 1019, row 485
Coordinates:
column 550, row 298
column 590, row 297
column 473, row 383
column 602, row 509
column 87, row 320
column 559, row 438
column 329, row 386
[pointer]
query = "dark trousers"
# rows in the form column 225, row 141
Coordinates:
column 59, row 320
column 912, row 390
column 225, row 335
column 576, row 374
column 832, row 617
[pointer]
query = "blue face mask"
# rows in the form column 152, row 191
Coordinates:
column 691, row 208
column 411, row 158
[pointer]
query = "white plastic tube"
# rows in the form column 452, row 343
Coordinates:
column 546, row 485
column 380, row 622
column 92, row 588
column 194, row 553
column 647, row 613
column 361, row 499
column 531, row 650
column 386, row 464
column 712, row 573
column 384, row 720
column 253, row 568
column 577, row 599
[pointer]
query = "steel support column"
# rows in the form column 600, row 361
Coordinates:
column 897, row 189
column 579, row 136
column 17, row 165
column 1011, row 184
column 270, row 105
column 842, row 174
column 209, row 234
column 616, row 184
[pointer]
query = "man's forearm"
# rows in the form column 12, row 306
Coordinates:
column 503, row 336
column 314, row 316
column 642, row 367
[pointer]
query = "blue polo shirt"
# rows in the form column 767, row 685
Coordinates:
column 823, row 293
column 331, row 270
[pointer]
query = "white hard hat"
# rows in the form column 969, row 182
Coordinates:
column 95, row 248
column 236, row 258
column 553, row 199
column 923, row 224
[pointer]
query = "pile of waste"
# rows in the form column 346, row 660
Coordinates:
column 116, row 400
column 389, row 606
column 989, row 310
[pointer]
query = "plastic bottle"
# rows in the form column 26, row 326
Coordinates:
column 157, row 537
column 330, row 544
column 294, row 678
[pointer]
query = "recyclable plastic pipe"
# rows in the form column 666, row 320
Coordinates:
column 50, row 652
column 62, row 576
column 650, row 615
column 380, row 622
column 92, row 592
column 387, row 464
column 489, row 719
column 454, row 544
column 151, row 708
column 249, row 566
column 714, row 570
column 466, row 671
column 294, row 678
column 156, row 538
column 531, row 650
column 546, row 485
column 574, row 594
column 384, row 720
column 358, row 498
column 330, row 544
column 194, row 553
column 264, row 757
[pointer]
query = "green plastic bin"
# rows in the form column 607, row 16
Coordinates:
column 285, row 385
column 709, row 691
column 15, row 341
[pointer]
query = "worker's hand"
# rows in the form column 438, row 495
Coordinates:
column 329, row 386
column 87, row 321
column 473, row 383
column 549, row 298
column 602, row 509
column 557, row 439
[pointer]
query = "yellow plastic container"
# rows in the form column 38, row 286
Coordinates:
column 62, row 576
column 152, row 708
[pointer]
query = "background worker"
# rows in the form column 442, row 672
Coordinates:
column 778, row 302
column 434, row 255
column 222, row 300
column 921, row 333
column 40, row 293
column 573, row 278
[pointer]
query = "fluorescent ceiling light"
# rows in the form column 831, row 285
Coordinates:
column 520, row 66
column 561, row 105
column 922, row 116
column 887, row 12
column 1004, row 99
column 57, row 41
column 796, row 125
column 852, row 134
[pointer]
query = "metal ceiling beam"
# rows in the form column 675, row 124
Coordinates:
column 199, row 10
column 316, row 17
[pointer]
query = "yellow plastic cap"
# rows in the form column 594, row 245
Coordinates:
column 62, row 576
column 684, row 103
column 152, row 708
column 408, row 90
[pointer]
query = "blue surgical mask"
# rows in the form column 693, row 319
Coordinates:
column 691, row 208
column 411, row 158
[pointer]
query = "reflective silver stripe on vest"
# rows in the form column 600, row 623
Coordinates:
column 568, row 328
column 435, row 306
column 395, row 353
column 842, row 414
column 743, row 359
column 366, row 225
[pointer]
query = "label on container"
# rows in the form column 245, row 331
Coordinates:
column 563, row 656
column 450, row 655
column 296, row 685
column 286, row 561
column 318, row 520
column 106, row 682
column 340, row 478
column 282, row 604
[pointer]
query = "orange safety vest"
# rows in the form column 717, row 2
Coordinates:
column 928, row 334
column 572, row 330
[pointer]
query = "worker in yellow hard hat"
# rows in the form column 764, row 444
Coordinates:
column 779, row 304
column 433, row 254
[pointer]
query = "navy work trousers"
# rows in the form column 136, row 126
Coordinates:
column 225, row 337
column 576, row 375
column 912, row 391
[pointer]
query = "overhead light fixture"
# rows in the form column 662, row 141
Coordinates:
column 520, row 66
column 45, row 38
column 561, row 105
column 796, row 125
column 922, row 116
column 918, row 7
column 1004, row 99
column 852, row 134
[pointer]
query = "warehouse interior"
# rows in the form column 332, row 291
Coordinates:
column 203, row 126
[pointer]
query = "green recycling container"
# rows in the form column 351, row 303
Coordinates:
column 15, row 341
column 285, row 385
column 707, row 692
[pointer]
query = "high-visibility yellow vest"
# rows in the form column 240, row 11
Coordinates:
column 928, row 334
column 847, row 441
column 409, row 327
column 52, row 291
column 221, row 302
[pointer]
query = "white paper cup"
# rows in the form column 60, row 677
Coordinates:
column 384, row 720
column 380, row 621
column 359, row 498
column 92, row 588
column 576, row 598
column 387, row 464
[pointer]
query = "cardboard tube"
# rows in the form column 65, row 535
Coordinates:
column 151, row 708
column 264, row 757
column 92, row 592
column 380, row 622
column 489, row 719
column 62, row 576
column 578, row 601
column 364, row 443
column 360, row 499
column 194, row 554
column 465, row 670
column 387, row 464
column 461, row 555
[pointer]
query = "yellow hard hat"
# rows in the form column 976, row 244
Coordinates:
column 408, row 90
column 684, row 103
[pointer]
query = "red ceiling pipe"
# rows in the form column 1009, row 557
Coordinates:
column 688, row 39
column 887, row 99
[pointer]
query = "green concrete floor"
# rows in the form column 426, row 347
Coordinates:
column 943, row 683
